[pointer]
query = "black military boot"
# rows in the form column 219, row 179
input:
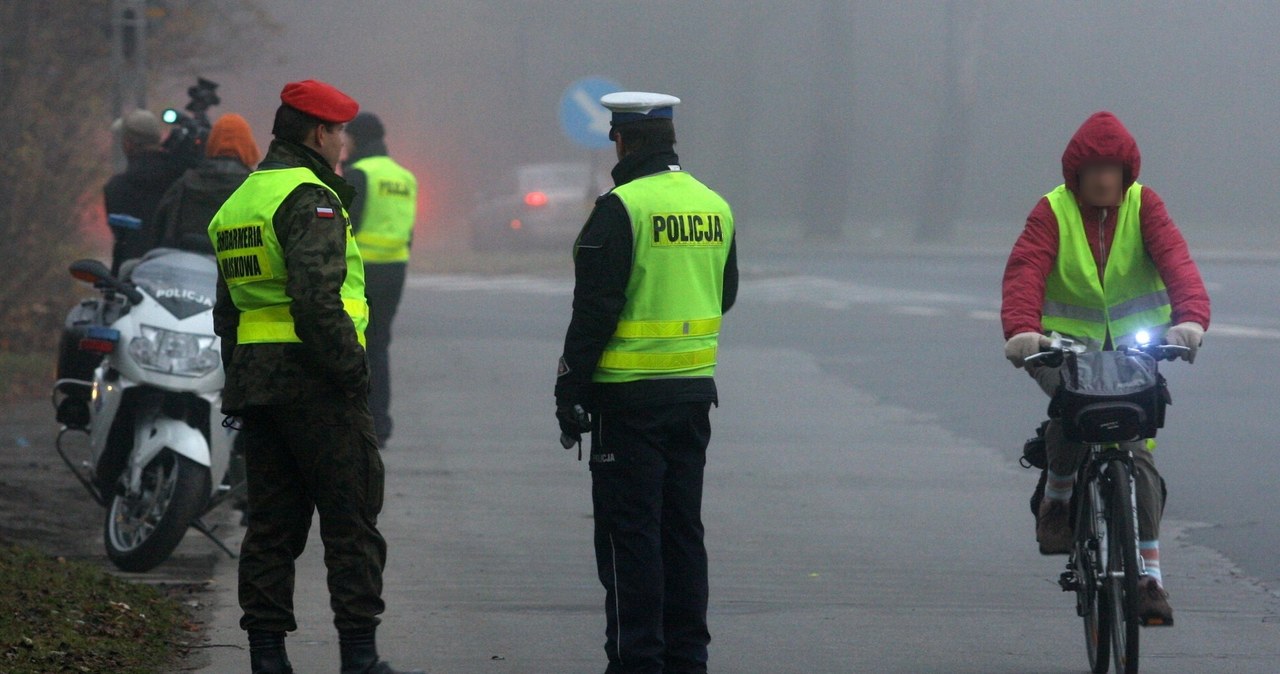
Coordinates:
column 360, row 654
column 266, row 653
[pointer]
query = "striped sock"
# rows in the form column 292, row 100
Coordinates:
column 1058, row 487
column 1150, row 551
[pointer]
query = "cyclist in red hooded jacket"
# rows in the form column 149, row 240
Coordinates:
column 1096, row 251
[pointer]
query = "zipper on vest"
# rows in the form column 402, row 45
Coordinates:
column 1102, row 276
column 1102, row 246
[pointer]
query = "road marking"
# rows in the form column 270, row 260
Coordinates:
column 1229, row 330
column 824, row 293
column 522, row 285
column 919, row 311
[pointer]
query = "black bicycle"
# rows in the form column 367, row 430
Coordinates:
column 1106, row 398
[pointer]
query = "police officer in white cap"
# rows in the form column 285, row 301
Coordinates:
column 655, row 267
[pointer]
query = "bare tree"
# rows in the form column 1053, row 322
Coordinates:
column 946, row 186
column 55, row 110
column 830, row 170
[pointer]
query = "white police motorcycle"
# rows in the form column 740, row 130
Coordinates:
column 140, row 375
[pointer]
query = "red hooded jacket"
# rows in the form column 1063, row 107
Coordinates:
column 1101, row 138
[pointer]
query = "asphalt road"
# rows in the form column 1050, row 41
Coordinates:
column 864, row 509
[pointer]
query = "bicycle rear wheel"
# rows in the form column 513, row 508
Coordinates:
column 1091, row 599
column 1122, row 569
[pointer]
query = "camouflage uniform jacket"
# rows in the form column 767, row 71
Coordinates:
column 330, row 358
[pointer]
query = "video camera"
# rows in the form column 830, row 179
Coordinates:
column 186, row 140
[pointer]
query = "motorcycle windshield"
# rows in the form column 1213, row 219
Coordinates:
column 185, row 284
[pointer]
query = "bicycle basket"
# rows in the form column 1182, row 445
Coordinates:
column 1110, row 396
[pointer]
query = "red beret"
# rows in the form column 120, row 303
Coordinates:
column 320, row 100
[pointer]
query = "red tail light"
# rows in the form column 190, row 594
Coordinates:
column 535, row 199
column 516, row 224
column 97, row 345
column 101, row 340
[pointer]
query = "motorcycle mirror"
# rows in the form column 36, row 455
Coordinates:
column 90, row 271
column 93, row 271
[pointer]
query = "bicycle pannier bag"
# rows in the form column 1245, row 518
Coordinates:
column 1110, row 396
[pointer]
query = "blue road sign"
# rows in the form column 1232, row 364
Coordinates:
column 582, row 118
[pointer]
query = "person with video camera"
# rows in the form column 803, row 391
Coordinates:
column 131, row 196
column 188, row 207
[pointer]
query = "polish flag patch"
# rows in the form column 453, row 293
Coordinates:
column 323, row 212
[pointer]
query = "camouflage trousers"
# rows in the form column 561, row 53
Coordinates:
column 321, row 456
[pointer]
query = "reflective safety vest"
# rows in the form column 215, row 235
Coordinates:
column 1130, row 297
column 251, row 259
column 390, row 205
column 670, row 325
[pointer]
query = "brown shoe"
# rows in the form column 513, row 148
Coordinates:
column 1153, row 603
column 1053, row 527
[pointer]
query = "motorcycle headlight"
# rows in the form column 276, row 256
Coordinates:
column 178, row 353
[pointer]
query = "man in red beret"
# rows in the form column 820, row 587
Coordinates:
column 291, row 313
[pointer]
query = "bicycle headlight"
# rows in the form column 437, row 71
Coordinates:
column 1143, row 338
column 178, row 353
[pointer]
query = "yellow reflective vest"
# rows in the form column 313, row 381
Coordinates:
column 390, row 205
column 1128, row 298
column 670, row 325
column 251, row 258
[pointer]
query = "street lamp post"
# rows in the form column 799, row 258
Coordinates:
column 128, row 60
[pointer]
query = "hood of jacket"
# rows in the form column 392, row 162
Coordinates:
column 1102, row 138
column 232, row 137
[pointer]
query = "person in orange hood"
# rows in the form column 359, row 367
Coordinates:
column 189, row 205
column 1101, row 229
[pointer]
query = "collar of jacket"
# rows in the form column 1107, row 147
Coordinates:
column 151, row 165
column 369, row 148
column 285, row 154
column 644, row 163
column 223, row 165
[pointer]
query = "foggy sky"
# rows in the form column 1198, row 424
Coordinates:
column 470, row 88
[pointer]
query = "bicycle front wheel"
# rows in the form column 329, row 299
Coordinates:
column 1092, row 603
column 1122, row 568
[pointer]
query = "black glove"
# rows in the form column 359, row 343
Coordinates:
column 574, row 421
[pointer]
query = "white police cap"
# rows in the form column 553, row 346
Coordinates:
column 633, row 106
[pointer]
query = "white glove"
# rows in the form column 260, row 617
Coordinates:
column 1188, row 334
column 1024, row 344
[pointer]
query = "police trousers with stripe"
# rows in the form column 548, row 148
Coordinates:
column 1065, row 458
column 646, row 483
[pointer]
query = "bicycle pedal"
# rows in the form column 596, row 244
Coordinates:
column 1069, row 582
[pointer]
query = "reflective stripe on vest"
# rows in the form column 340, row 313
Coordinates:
column 658, row 329
column 251, row 258
column 670, row 325
column 658, row 363
column 275, row 323
column 390, row 206
column 1130, row 297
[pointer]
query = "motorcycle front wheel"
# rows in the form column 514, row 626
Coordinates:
column 142, row 529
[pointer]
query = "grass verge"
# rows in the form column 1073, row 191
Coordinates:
column 65, row 616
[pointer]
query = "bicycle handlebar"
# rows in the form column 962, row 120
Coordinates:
column 1054, row 354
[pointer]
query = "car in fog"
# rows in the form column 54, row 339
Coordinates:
column 544, row 207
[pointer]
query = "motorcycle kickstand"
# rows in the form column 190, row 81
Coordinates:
column 199, row 525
